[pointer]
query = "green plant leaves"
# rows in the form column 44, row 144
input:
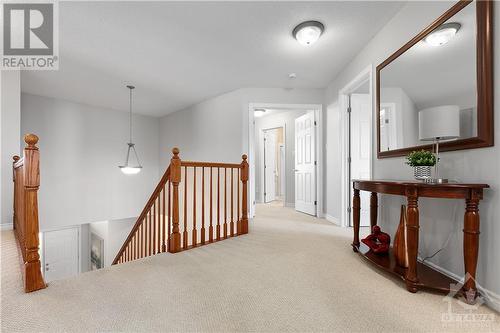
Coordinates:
column 420, row 158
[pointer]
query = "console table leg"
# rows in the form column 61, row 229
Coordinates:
column 356, row 208
column 373, row 209
column 471, row 246
column 412, row 230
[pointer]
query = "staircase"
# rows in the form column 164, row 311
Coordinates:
column 207, row 201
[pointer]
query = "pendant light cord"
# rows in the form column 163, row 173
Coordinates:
column 130, row 114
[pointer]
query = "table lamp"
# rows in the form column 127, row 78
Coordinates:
column 437, row 124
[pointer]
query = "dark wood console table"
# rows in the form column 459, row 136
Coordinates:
column 417, row 275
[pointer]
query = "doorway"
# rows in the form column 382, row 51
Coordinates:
column 280, row 176
column 356, row 112
column 274, row 165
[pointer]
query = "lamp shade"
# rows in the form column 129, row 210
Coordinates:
column 440, row 122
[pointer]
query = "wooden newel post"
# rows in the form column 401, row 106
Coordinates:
column 33, row 274
column 175, row 179
column 244, row 197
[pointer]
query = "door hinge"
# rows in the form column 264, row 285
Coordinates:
column 315, row 124
column 315, row 162
column 315, row 203
column 349, row 160
column 349, row 110
column 348, row 209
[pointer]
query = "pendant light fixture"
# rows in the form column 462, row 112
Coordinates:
column 128, row 168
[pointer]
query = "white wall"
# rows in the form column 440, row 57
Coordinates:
column 113, row 233
column 10, row 123
column 80, row 150
column 438, row 218
column 286, row 120
column 217, row 129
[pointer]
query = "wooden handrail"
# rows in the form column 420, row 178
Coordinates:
column 210, row 164
column 26, row 178
column 154, row 232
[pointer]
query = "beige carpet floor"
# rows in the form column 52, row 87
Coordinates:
column 292, row 272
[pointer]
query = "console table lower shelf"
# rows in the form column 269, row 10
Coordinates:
column 428, row 278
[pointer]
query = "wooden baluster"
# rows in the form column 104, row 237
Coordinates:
column 232, row 199
column 211, row 228
column 244, row 203
column 185, row 232
column 195, row 240
column 169, row 218
column 175, row 178
column 143, row 230
column 203, row 205
column 238, row 222
column 150, row 233
column 153, row 240
column 32, row 267
column 356, row 216
column 218, row 203
column 225, row 203
column 164, row 226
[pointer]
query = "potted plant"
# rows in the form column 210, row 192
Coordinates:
column 421, row 161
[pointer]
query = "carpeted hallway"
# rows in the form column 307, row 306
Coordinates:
column 290, row 273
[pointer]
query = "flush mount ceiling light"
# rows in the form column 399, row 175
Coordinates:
column 307, row 33
column 259, row 112
column 135, row 167
column 442, row 34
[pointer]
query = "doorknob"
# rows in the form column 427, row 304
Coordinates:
column 295, row 170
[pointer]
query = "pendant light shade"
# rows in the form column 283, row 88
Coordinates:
column 132, row 165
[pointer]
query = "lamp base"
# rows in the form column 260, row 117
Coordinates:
column 436, row 181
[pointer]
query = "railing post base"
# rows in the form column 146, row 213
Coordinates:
column 33, row 276
column 175, row 243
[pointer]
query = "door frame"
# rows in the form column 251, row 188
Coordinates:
column 361, row 78
column 42, row 245
column 263, row 178
column 318, row 116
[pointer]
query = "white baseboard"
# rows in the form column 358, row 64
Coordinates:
column 492, row 299
column 6, row 226
column 332, row 219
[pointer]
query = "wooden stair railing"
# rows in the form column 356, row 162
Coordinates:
column 26, row 177
column 219, row 212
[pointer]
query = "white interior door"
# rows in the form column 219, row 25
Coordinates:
column 305, row 160
column 61, row 253
column 360, row 148
column 269, row 166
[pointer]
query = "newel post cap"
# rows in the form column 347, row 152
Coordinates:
column 244, row 157
column 31, row 140
column 175, row 151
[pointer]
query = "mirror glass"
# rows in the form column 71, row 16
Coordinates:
column 434, row 80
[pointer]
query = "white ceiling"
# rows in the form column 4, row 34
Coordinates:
column 180, row 53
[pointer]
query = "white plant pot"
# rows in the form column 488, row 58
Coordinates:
column 422, row 172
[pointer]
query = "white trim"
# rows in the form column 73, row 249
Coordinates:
column 289, row 204
column 318, row 116
column 333, row 220
column 351, row 86
column 493, row 299
column 6, row 226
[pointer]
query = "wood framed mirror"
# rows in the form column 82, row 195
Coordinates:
column 447, row 65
